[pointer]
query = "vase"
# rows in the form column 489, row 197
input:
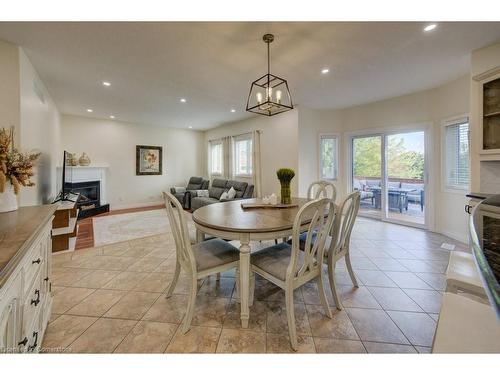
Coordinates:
column 8, row 199
column 84, row 160
column 285, row 192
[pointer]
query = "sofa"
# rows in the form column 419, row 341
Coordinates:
column 183, row 193
column 416, row 196
column 219, row 186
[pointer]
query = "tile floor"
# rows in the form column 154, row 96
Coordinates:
column 112, row 299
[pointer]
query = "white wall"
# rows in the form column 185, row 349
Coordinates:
column 279, row 144
column 9, row 87
column 40, row 131
column 428, row 108
column 112, row 143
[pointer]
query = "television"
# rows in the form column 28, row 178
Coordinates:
column 65, row 180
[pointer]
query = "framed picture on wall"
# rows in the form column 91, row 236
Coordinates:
column 148, row 160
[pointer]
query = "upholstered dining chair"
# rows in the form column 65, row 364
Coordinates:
column 198, row 261
column 286, row 266
column 338, row 242
column 322, row 189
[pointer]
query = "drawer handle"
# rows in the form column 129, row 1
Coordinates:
column 37, row 300
column 24, row 342
column 35, row 344
column 36, row 261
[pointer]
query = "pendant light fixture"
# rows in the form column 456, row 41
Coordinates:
column 269, row 95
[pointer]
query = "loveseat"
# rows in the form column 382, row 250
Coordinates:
column 182, row 194
column 219, row 186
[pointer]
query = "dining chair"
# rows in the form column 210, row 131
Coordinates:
column 286, row 266
column 199, row 260
column 339, row 241
column 322, row 189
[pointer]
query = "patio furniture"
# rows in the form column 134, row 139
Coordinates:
column 198, row 261
column 416, row 196
column 396, row 198
column 364, row 191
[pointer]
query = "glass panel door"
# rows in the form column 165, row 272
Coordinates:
column 367, row 173
column 405, row 183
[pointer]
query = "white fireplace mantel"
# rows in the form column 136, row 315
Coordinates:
column 83, row 174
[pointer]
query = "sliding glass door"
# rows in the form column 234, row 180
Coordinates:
column 388, row 170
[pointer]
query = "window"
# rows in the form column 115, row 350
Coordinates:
column 328, row 157
column 243, row 155
column 456, row 154
column 216, row 158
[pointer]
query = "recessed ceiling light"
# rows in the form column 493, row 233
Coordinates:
column 106, row 83
column 111, row 117
column 325, row 71
column 233, row 110
column 190, row 127
column 90, row 110
column 430, row 27
column 183, row 100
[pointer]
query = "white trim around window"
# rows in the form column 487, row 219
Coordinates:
column 332, row 141
column 243, row 148
column 454, row 171
column 216, row 155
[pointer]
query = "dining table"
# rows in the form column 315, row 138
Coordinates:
column 230, row 221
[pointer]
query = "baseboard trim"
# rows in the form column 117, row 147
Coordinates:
column 456, row 236
column 134, row 205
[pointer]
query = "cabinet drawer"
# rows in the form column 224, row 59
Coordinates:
column 35, row 261
column 32, row 303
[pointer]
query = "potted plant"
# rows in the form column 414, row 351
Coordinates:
column 285, row 176
column 16, row 169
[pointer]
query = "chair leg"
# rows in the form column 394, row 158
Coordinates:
column 218, row 276
column 190, row 306
column 333, row 287
column 322, row 296
column 350, row 270
column 174, row 280
column 290, row 313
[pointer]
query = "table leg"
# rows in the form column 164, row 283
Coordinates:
column 200, row 236
column 244, row 279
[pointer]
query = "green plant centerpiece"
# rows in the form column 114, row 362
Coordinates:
column 285, row 175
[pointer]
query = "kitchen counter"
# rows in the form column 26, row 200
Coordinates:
column 18, row 230
column 485, row 234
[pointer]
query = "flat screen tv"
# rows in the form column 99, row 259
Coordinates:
column 65, row 180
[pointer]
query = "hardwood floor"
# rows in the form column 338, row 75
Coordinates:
column 85, row 237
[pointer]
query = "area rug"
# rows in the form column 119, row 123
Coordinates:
column 123, row 227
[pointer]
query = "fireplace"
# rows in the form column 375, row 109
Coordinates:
column 89, row 203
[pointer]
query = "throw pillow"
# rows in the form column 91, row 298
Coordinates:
column 231, row 193
column 202, row 193
column 224, row 196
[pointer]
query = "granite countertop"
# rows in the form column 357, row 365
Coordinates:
column 18, row 230
column 485, row 235
column 479, row 195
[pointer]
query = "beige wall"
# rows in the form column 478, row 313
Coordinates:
column 40, row 131
column 26, row 105
column 112, row 143
column 423, row 109
column 279, row 144
column 9, row 84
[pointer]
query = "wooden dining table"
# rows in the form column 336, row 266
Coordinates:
column 228, row 220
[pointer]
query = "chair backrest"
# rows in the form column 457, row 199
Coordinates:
column 318, row 229
column 178, row 224
column 322, row 189
column 344, row 222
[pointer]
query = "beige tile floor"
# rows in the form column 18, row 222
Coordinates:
column 112, row 299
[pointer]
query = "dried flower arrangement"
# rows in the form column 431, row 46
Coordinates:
column 15, row 167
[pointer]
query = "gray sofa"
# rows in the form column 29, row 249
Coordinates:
column 183, row 194
column 219, row 186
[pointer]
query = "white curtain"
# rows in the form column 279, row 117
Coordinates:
column 257, row 169
column 227, row 158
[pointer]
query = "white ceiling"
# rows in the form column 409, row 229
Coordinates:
column 152, row 65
